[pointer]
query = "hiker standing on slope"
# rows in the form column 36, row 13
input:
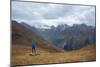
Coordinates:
column 33, row 47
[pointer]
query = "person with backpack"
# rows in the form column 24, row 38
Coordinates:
column 33, row 47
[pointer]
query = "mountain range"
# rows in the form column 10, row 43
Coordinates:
column 63, row 36
column 70, row 37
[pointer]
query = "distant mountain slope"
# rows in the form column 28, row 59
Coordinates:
column 22, row 35
column 70, row 37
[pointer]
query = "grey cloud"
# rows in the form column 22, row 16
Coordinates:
column 42, row 14
column 56, row 12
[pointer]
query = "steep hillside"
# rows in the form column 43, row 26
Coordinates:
column 21, row 35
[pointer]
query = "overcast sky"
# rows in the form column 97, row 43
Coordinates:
column 46, row 14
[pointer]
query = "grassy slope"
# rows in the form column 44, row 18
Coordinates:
column 20, row 55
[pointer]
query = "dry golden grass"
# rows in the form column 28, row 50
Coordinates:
column 20, row 55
